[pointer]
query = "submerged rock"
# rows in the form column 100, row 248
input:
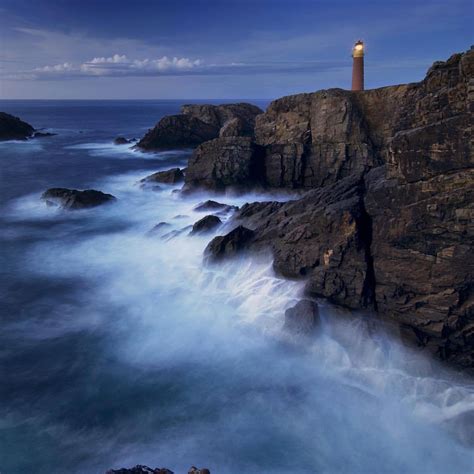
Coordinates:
column 74, row 199
column 171, row 176
column 43, row 134
column 159, row 228
column 12, row 128
column 302, row 319
column 210, row 205
column 121, row 141
column 228, row 245
column 206, row 224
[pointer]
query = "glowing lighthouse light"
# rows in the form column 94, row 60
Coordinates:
column 358, row 66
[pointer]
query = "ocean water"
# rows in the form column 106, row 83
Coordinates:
column 118, row 347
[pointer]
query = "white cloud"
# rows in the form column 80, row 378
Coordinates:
column 119, row 65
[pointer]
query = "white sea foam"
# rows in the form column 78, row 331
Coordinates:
column 351, row 399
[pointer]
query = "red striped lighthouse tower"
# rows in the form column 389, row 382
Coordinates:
column 358, row 66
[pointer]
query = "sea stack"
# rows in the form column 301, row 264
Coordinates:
column 358, row 66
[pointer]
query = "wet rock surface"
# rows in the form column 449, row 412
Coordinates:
column 211, row 205
column 206, row 224
column 12, row 128
column 228, row 245
column 139, row 469
column 302, row 319
column 171, row 176
column 74, row 199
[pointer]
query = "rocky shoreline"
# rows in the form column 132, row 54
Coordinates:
column 385, row 223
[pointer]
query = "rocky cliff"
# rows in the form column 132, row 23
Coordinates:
column 389, row 223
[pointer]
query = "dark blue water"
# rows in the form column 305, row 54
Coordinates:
column 118, row 348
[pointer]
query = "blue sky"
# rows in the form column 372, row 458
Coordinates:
column 218, row 49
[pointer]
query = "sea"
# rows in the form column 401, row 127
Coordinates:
column 120, row 346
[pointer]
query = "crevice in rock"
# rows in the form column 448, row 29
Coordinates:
column 365, row 229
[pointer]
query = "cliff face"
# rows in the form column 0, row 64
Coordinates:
column 390, row 223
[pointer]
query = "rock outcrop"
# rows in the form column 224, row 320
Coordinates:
column 388, row 222
column 73, row 199
column 139, row 469
column 12, row 128
column 200, row 123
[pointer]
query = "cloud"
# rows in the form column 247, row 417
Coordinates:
column 118, row 65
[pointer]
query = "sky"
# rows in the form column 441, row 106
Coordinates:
column 219, row 49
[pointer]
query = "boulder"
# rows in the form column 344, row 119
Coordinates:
column 210, row 205
column 225, row 162
column 73, row 199
column 171, row 176
column 177, row 131
column 206, row 224
column 12, row 128
column 228, row 245
column 121, row 141
column 302, row 319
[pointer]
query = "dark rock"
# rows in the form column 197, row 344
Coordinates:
column 176, row 233
column 214, row 206
column 74, row 199
column 206, row 224
column 159, row 228
column 195, row 470
column 172, row 176
column 43, row 134
column 225, row 162
column 236, row 127
column 323, row 236
column 228, row 245
column 177, row 131
column 302, row 319
column 139, row 469
column 121, row 141
column 198, row 124
column 12, row 128
column 235, row 119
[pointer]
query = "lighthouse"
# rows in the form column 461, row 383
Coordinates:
column 358, row 66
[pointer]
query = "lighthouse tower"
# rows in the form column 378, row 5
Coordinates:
column 358, row 66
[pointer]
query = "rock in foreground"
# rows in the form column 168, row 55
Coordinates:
column 228, row 245
column 12, row 128
column 74, row 199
